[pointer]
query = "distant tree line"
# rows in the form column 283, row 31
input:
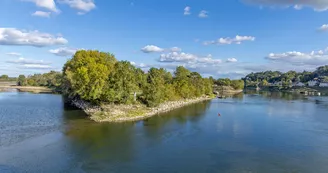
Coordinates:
column 6, row 78
column 99, row 78
column 235, row 84
column 266, row 77
column 52, row 79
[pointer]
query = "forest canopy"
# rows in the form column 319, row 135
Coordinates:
column 98, row 77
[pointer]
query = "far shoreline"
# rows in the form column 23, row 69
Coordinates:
column 33, row 89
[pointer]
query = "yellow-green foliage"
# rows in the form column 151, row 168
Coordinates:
column 86, row 74
column 97, row 77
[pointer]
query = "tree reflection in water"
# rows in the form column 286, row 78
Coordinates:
column 117, row 142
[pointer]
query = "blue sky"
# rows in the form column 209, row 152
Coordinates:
column 220, row 38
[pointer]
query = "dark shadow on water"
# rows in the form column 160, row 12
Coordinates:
column 193, row 113
column 98, row 143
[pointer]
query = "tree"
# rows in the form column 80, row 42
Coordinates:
column 223, row 82
column 322, row 71
column 86, row 74
column 198, row 84
column 182, row 82
column 208, row 86
column 21, row 80
column 4, row 77
column 122, row 83
column 154, row 92
column 98, row 78
column 237, row 84
column 264, row 83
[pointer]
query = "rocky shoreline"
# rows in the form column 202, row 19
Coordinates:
column 125, row 113
column 32, row 89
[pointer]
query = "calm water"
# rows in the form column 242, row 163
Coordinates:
column 255, row 133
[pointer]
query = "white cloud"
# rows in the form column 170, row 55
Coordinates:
column 47, row 4
column 82, row 5
column 63, row 51
column 156, row 49
column 237, row 40
column 324, row 27
column 177, row 57
column 151, row 48
column 188, row 58
column 232, row 60
column 299, row 58
column 36, row 66
column 318, row 5
column 140, row 65
column 13, row 36
column 41, row 14
column 30, row 63
column 24, row 61
column 187, row 11
column 14, row 54
column 217, row 68
column 203, row 14
column 175, row 49
column 208, row 60
column 298, row 7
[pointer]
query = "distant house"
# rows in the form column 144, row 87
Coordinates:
column 323, row 84
column 312, row 83
column 298, row 84
column 278, row 83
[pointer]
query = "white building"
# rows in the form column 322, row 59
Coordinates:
column 312, row 83
column 323, row 84
column 278, row 83
column 299, row 84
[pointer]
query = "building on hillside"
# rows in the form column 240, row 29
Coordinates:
column 298, row 84
column 312, row 83
column 323, row 84
column 278, row 83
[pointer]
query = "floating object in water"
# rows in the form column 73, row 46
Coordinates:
column 219, row 114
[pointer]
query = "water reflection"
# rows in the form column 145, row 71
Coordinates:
column 117, row 143
column 256, row 132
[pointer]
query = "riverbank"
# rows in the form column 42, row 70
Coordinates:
column 32, row 89
column 134, row 112
column 226, row 90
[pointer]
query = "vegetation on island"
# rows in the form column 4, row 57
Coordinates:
column 98, row 77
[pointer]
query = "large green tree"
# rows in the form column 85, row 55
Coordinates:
column 182, row 82
column 154, row 92
column 21, row 81
column 4, row 77
column 122, row 84
column 87, row 74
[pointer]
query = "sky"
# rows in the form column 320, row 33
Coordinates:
column 219, row 38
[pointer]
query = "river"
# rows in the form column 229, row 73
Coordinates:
column 255, row 133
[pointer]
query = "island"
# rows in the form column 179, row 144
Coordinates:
column 109, row 90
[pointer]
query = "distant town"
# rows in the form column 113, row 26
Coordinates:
column 317, row 78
